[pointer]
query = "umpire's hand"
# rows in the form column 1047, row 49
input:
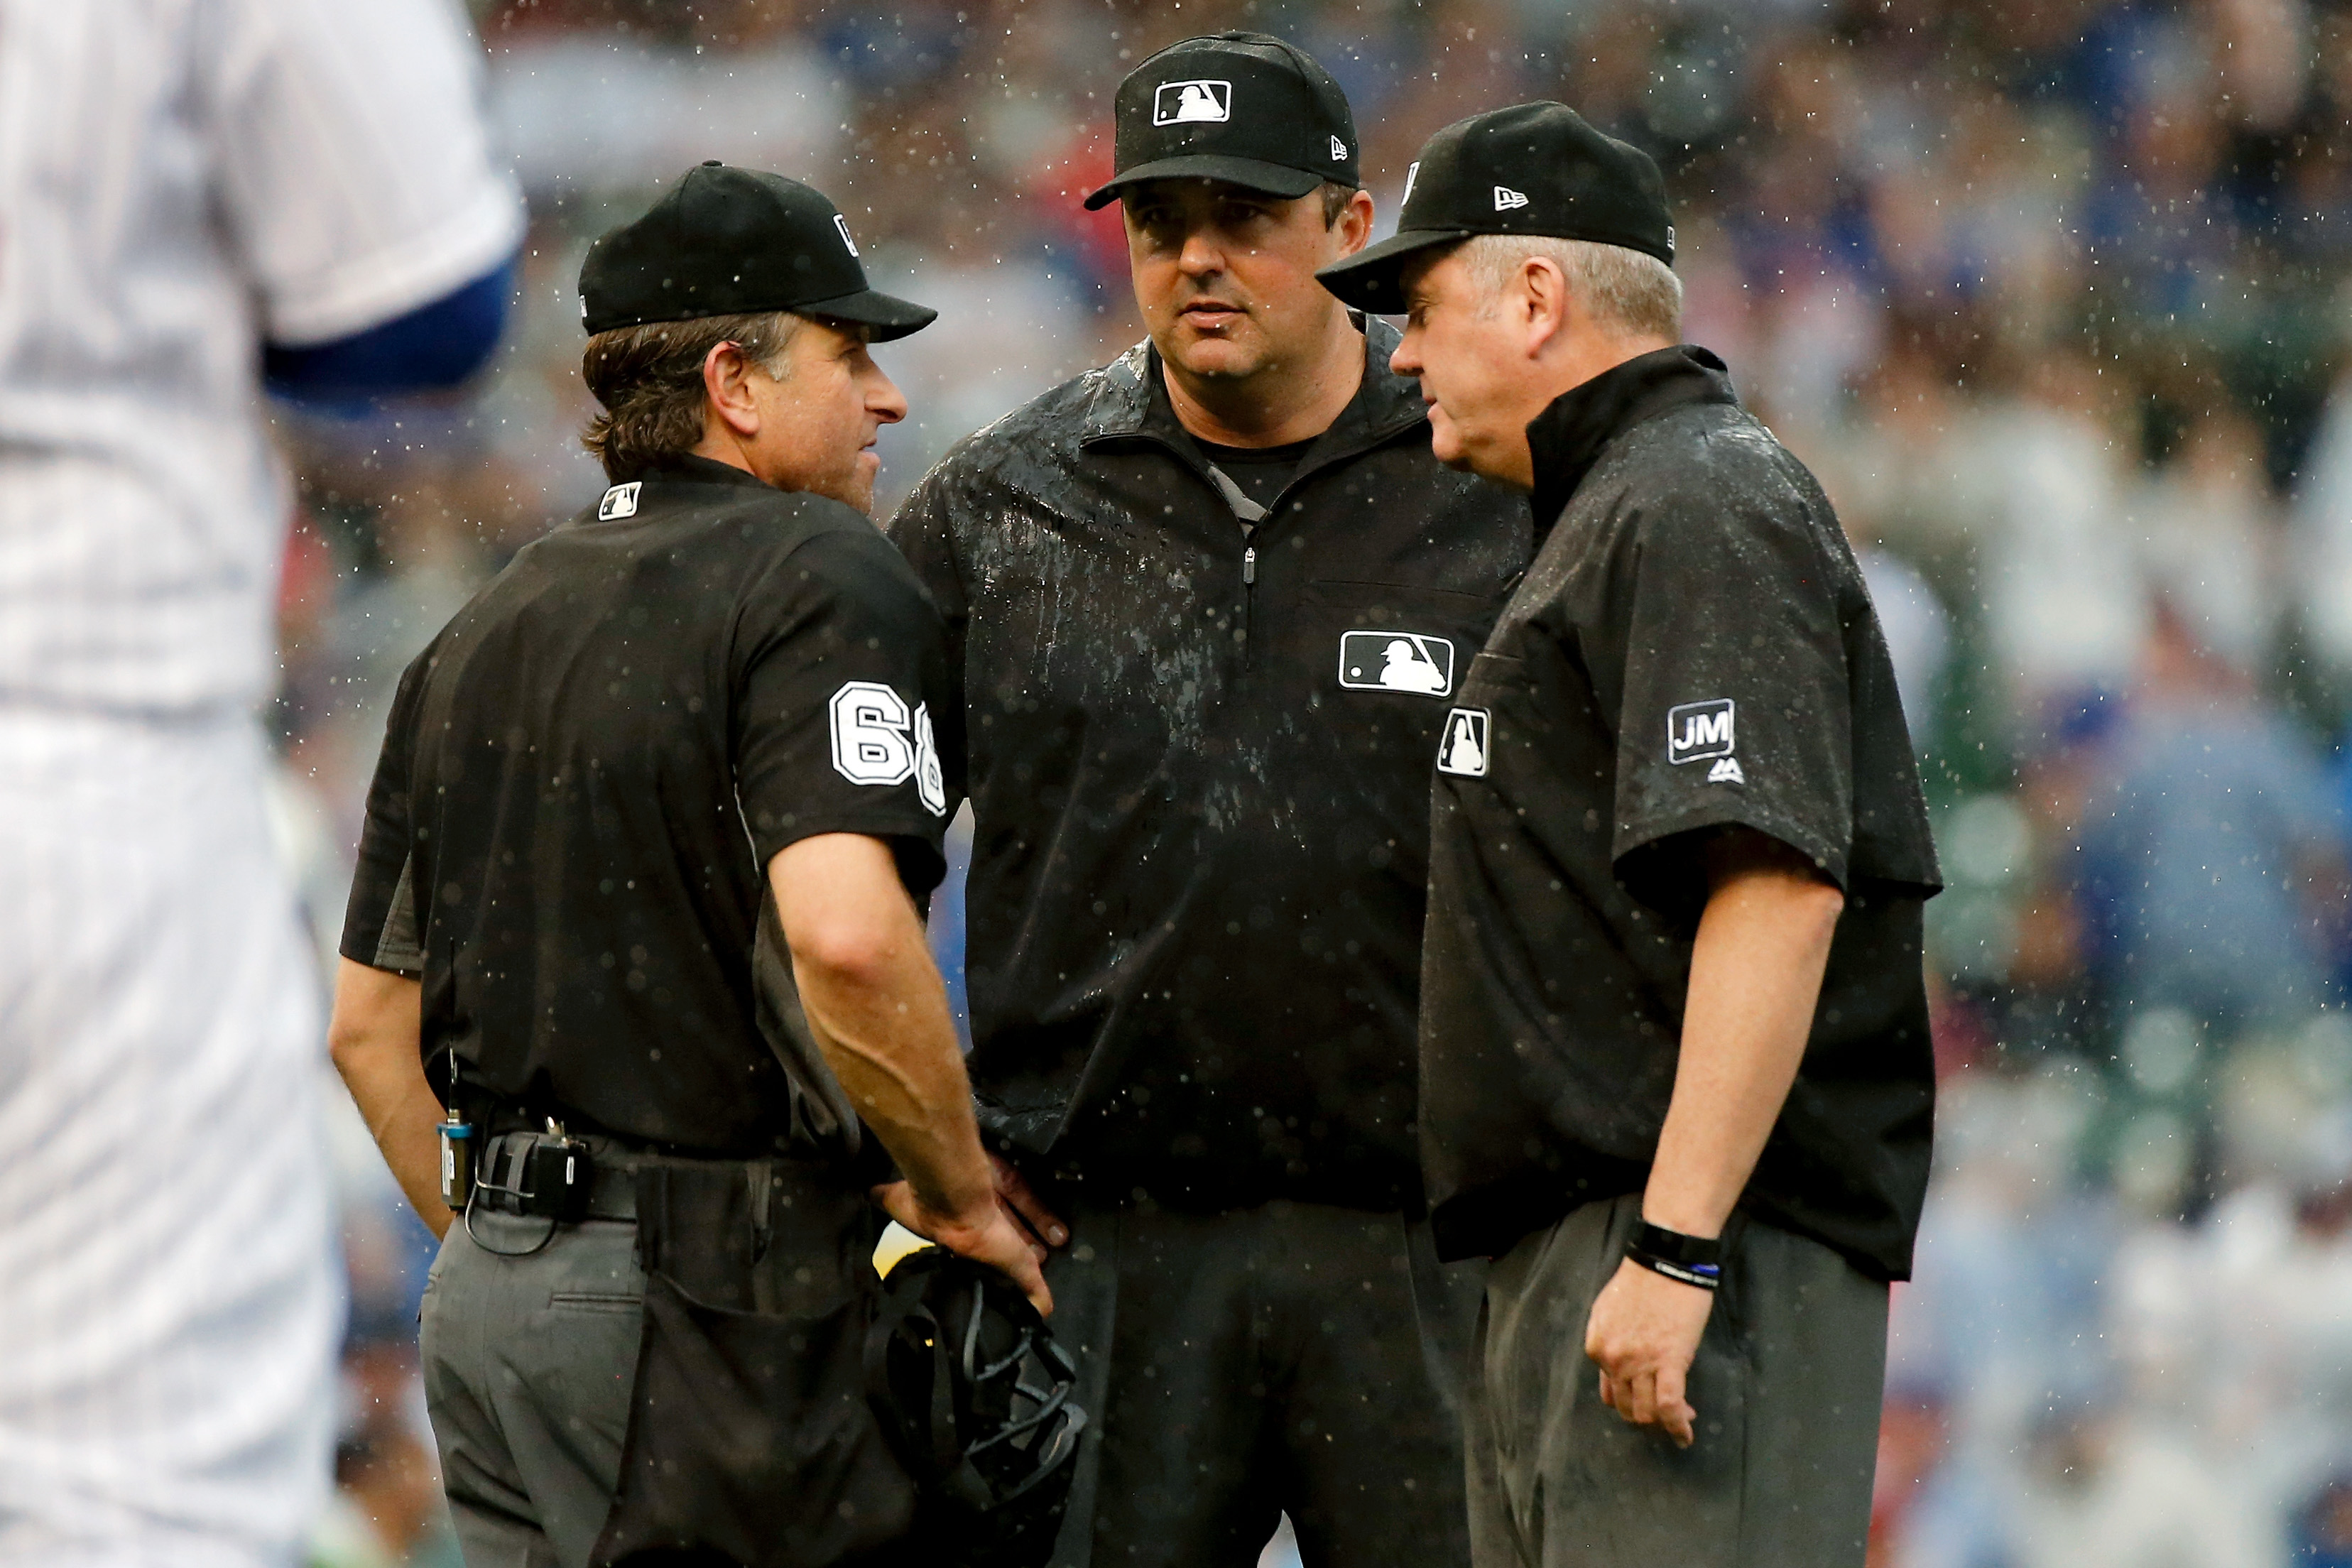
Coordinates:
column 986, row 1235
column 1642, row 1333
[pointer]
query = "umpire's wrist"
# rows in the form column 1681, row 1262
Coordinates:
column 1694, row 1260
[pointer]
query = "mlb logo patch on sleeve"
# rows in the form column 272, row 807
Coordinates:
column 1396, row 661
column 620, row 500
column 1697, row 731
column 1463, row 751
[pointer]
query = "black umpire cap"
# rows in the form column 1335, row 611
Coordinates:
column 1532, row 169
column 1244, row 108
column 731, row 242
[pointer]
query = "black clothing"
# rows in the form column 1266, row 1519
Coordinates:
column 729, row 242
column 1693, row 648
column 1200, row 768
column 1249, row 109
column 1261, row 472
column 1529, row 169
column 1293, row 1358
column 585, row 775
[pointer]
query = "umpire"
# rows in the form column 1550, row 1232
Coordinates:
column 1676, row 1074
column 1206, row 605
column 637, row 902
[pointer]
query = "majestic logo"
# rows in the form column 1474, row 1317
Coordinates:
column 1412, row 173
column 842, row 224
column 1697, row 730
column 1396, row 661
column 875, row 741
column 1193, row 103
column 1726, row 771
column 1339, row 150
column 1507, row 198
column 1463, row 751
column 620, row 500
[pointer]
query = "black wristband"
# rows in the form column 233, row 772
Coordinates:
column 1690, row 1260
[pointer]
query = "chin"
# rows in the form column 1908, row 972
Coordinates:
column 1219, row 356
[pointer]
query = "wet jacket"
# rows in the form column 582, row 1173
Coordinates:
column 1198, row 748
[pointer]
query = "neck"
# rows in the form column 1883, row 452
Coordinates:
column 1286, row 402
column 720, row 446
column 1569, row 362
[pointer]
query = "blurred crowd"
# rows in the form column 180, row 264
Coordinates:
column 2055, row 295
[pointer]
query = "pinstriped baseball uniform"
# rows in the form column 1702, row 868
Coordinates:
column 179, row 180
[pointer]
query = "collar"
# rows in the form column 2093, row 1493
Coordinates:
column 1568, row 437
column 688, row 468
column 1129, row 402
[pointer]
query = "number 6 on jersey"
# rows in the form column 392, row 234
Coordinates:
column 876, row 741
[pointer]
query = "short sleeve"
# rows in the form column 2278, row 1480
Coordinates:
column 354, row 168
column 1737, row 707
column 842, row 704
column 379, row 925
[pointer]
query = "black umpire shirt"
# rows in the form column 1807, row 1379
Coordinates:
column 1198, row 728
column 1692, row 649
column 586, row 773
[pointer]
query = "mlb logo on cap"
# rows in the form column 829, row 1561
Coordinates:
column 1192, row 103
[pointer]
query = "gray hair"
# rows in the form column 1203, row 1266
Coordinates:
column 1630, row 290
column 649, row 380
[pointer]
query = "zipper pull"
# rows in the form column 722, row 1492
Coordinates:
column 1249, row 565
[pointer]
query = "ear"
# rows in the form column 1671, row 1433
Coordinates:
column 1542, row 301
column 1355, row 224
column 727, row 385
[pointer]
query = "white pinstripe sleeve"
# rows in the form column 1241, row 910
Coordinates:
column 358, row 182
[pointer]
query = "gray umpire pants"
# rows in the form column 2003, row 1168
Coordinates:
column 1787, row 1384
column 1293, row 1358
column 530, row 1362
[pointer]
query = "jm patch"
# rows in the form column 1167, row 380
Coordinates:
column 1396, row 661
column 1697, row 731
column 620, row 500
column 1463, row 751
column 1192, row 103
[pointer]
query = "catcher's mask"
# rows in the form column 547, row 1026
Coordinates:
column 974, row 1394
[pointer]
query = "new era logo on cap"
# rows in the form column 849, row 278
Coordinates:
column 1193, row 103
column 842, row 224
column 1507, row 198
column 1412, row 173
column 1338, row 150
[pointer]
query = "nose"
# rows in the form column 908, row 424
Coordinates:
column 1406, row 358
column 884, row 399
column 1202, row 256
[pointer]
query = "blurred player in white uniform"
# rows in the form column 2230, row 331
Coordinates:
column 186, row 186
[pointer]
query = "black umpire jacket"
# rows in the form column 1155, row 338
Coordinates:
column 1199, row 755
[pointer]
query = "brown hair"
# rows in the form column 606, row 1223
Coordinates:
column 649, row 379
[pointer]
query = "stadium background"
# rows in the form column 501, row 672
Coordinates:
column 2057, row 296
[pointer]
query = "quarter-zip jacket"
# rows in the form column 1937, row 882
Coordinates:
column 1199, row 744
